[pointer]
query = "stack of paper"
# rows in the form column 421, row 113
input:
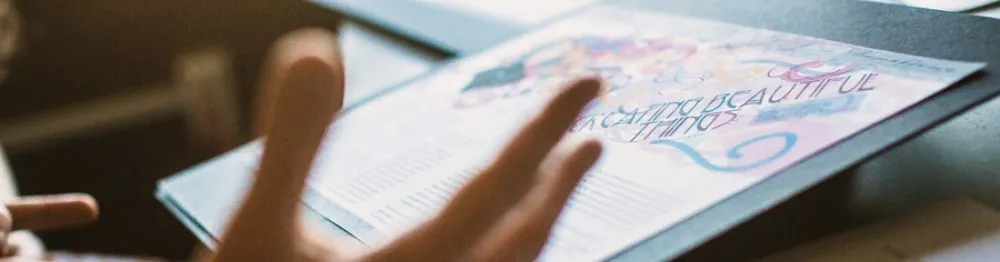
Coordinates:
column 695, row 111
column 521, row 12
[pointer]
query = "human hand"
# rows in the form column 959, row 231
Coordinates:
column 38, row 213
column 505, row 213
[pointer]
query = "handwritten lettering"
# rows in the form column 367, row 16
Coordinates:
column 721, row 98
column 733, row 97
column 756, row 99
column 783, row 96
column 860, row 82
column 867, row 81
column 661, row 91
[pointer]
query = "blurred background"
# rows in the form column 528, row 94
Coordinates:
column 108, row 97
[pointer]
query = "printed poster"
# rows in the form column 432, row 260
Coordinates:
column 694, row 112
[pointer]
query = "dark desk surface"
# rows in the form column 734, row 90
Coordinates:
column 430, row 24
column 434, row 24
column 960, row 157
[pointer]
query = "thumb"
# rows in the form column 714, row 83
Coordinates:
column 52, row 211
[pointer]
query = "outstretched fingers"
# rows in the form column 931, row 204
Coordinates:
column 513, row 173
column 527, row 231
column 478, row 206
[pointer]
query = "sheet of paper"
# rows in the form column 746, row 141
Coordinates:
column 949, row 5
column 695, row 112
column 978, row 7
column 521, row 12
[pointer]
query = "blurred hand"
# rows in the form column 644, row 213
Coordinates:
column 37, row 213
column 505, row 213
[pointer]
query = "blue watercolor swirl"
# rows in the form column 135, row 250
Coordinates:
column 734, row 152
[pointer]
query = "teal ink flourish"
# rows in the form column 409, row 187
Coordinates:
column 734, row 153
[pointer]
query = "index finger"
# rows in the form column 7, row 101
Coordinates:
column 307, row 80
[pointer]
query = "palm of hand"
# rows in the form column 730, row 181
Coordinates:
column 505, row 213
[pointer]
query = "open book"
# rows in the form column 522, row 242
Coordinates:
column 694, row 112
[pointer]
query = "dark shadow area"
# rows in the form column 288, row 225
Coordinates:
column 78, row 51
